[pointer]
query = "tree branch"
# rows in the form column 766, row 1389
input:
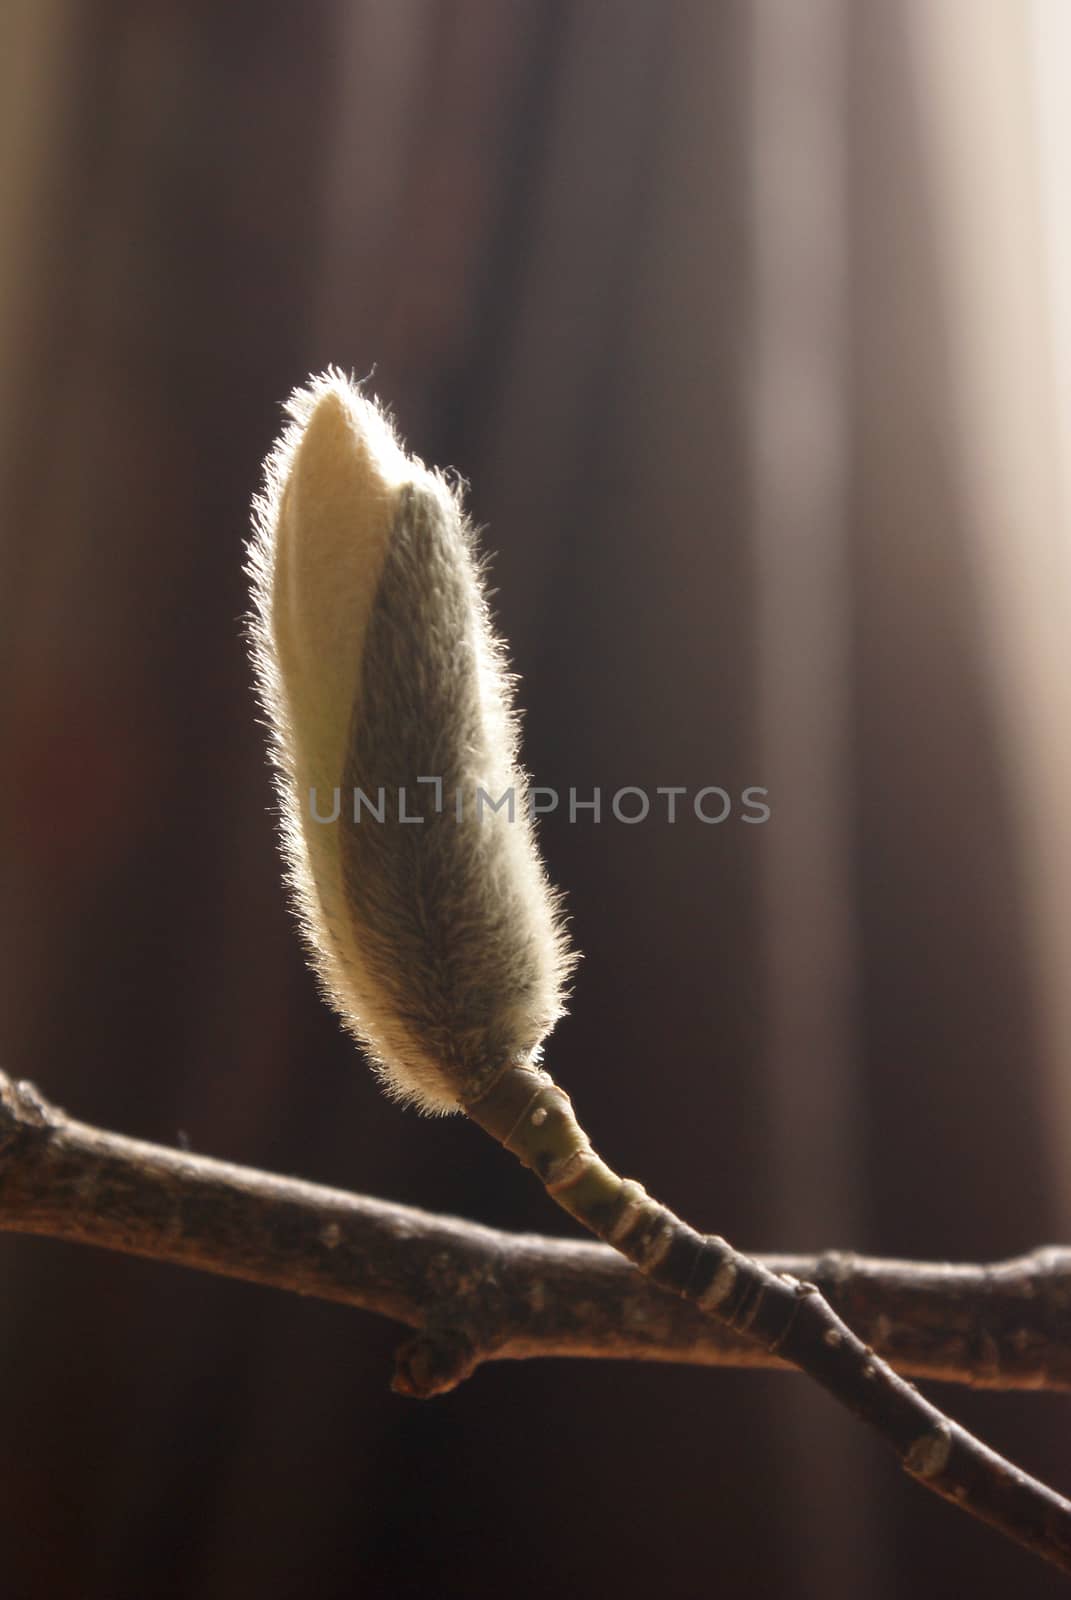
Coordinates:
column 474, row 1293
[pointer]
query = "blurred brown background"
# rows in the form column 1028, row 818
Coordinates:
column 747, row 324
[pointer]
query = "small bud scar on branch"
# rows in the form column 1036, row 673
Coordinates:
column 441, row 946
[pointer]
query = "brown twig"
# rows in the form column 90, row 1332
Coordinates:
column 474, row 1294
column 526, row 1111
column 501, row 1295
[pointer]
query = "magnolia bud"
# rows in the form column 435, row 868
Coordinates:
column 426, row 912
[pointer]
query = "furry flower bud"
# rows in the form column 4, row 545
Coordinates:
column 438, row 940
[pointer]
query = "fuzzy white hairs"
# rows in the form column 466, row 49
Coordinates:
column 439, row 942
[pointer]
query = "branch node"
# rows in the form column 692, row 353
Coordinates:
column 433, row 1362
column 928, row 1456
column 24, row 1113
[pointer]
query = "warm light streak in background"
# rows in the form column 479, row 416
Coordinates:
column 995, row 80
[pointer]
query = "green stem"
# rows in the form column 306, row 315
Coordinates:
column 527, row 1113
